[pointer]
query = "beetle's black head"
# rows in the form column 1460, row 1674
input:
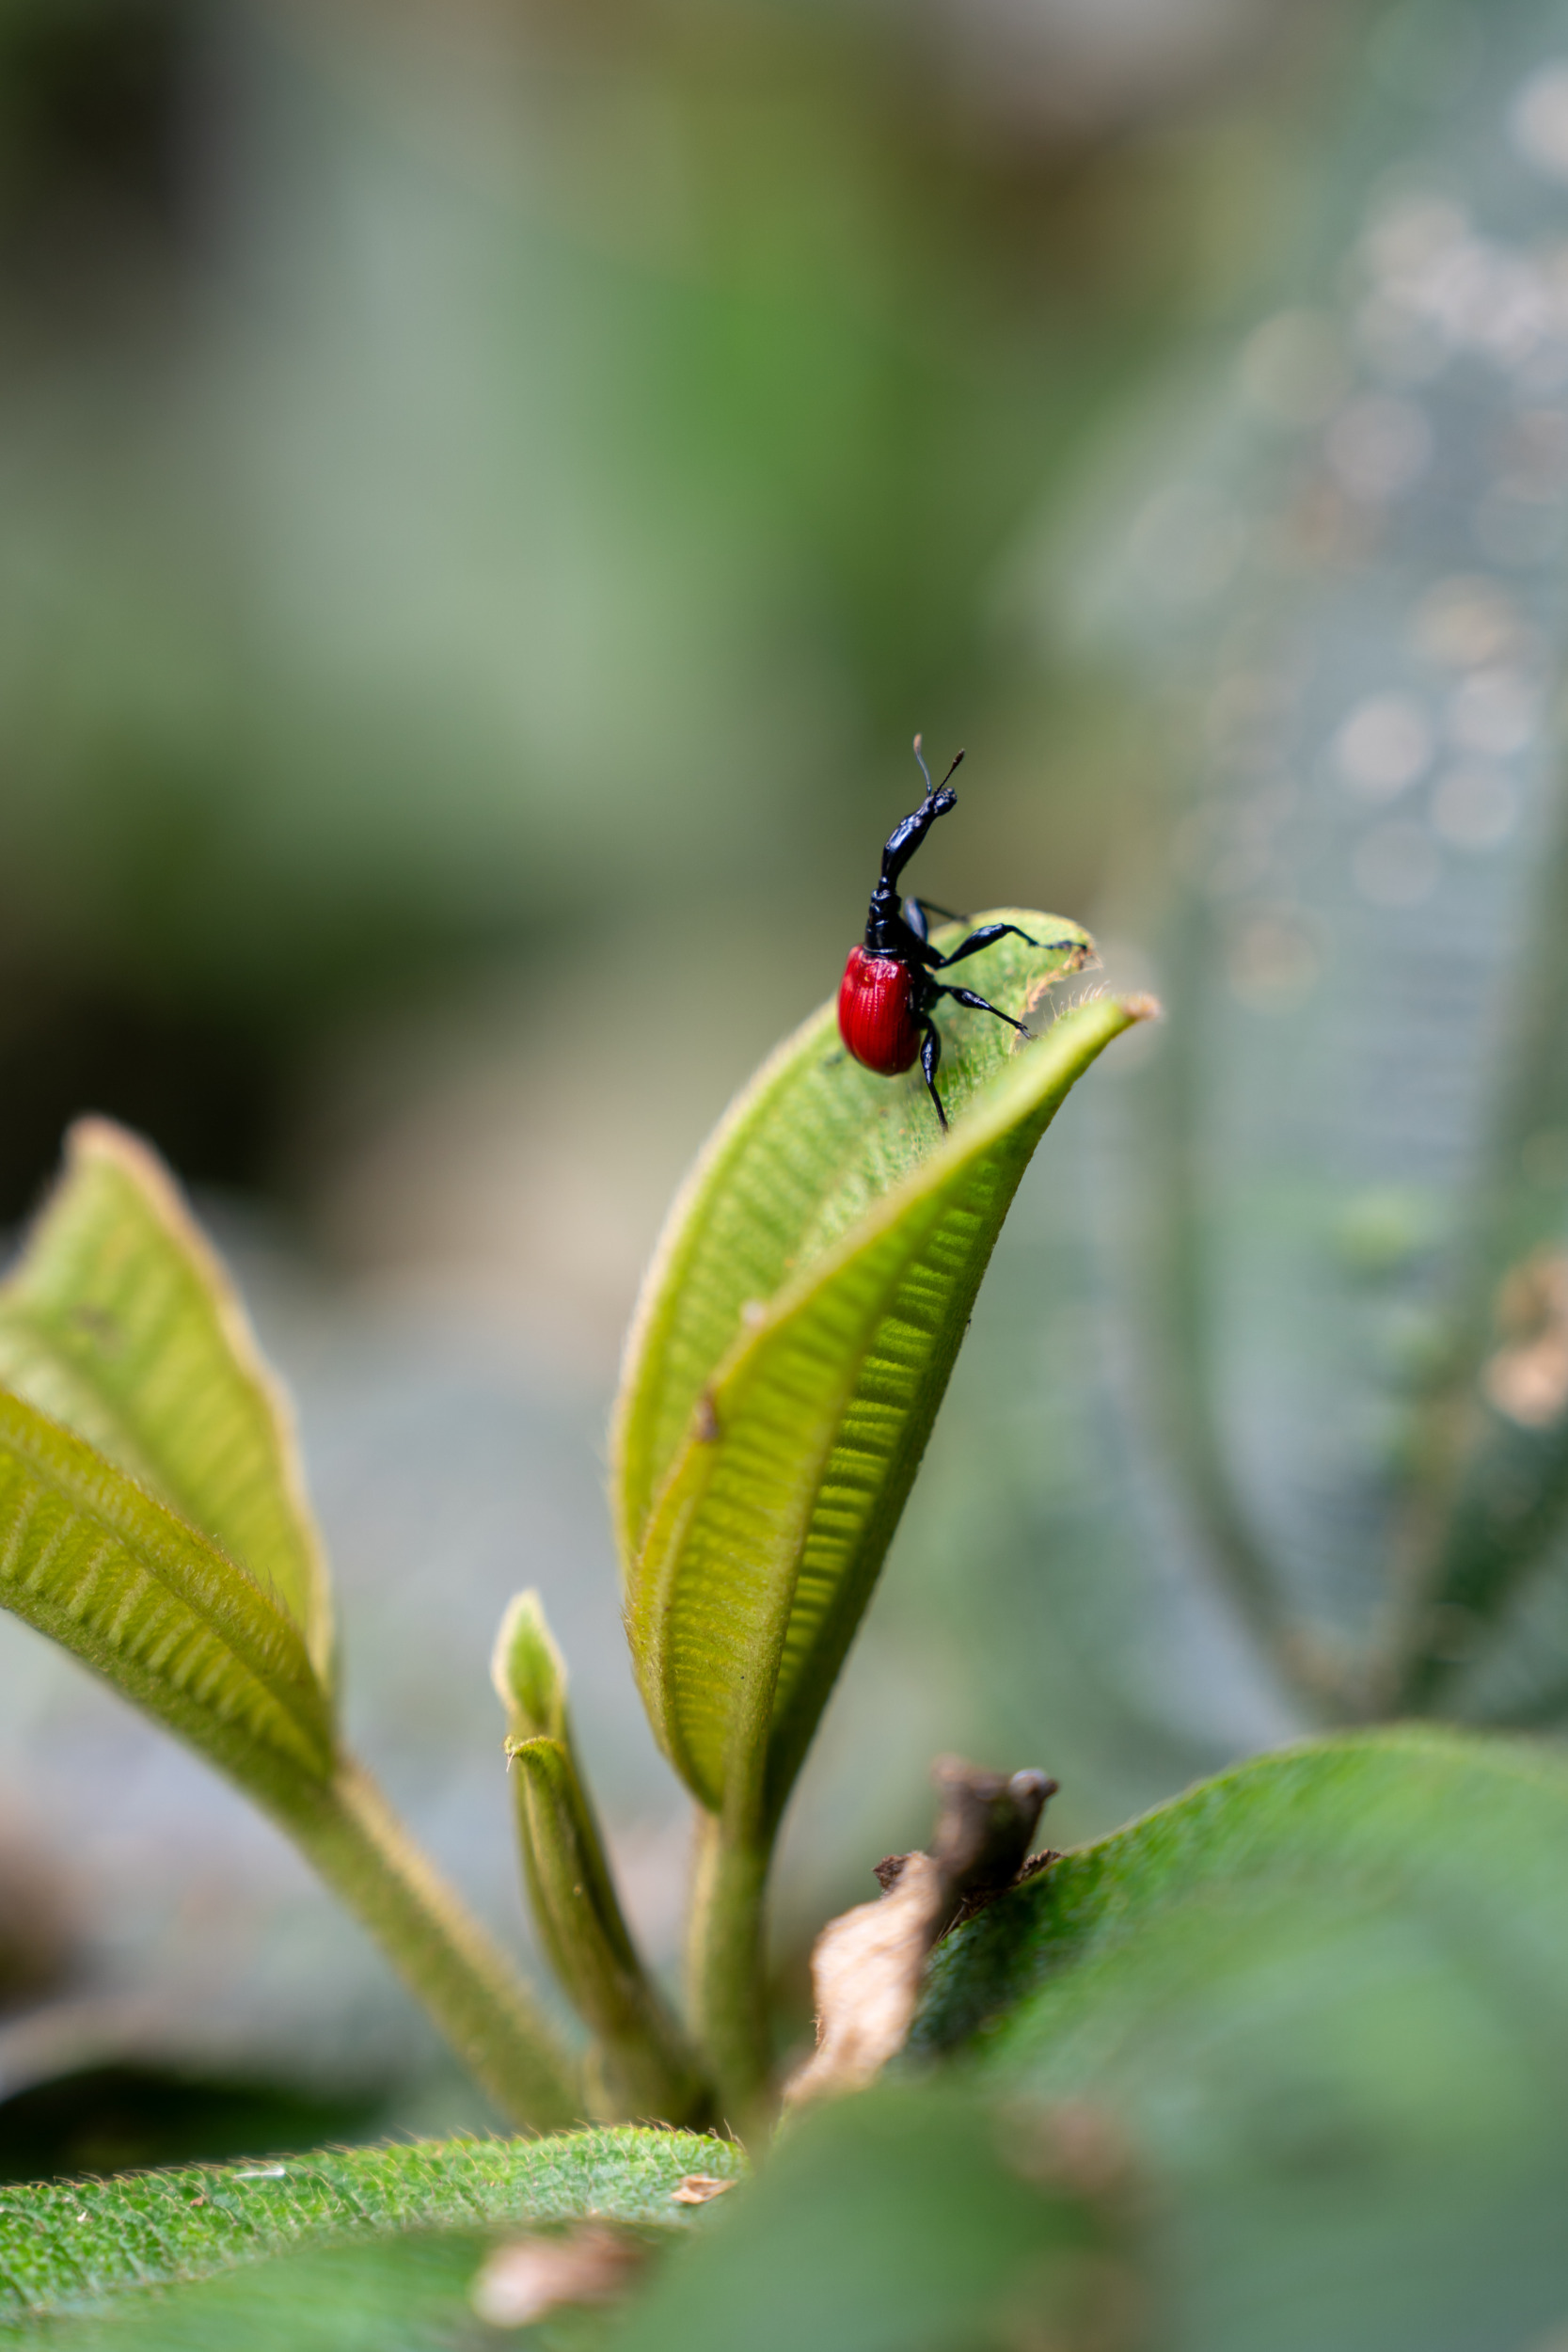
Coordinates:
column 907, row 837
column 939, row 791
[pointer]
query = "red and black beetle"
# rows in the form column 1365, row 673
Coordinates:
column 887, row 992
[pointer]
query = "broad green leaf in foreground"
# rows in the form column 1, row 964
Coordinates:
column 906, row 2219
column 115, row 1576
column 77, row 2257
column 792, row 1346
column 1323, row 1996
column 120, row 1323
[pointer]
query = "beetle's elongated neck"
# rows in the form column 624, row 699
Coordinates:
column 906, row 839
column 886, row 932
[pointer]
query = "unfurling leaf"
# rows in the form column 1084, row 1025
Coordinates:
column 642, row 2058
column 119, row 1321
column 793, row 1342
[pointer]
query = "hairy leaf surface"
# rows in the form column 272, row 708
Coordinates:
column 76, row 2256
column 793, row 1343
column 120, row 1323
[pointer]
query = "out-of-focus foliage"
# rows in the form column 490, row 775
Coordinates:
column 1277, row 2066
column 904, row 2220
column 1316, row 1467
column 1312, row 2003
column 485, row 471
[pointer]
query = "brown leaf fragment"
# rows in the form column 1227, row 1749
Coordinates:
column 709, row 1430
column 1527, row 1379
column 866, row 1965
column 865, row 1973
column 1072, row 2147
column 699, row 2188
column 1039, row 991
column 520, row 2282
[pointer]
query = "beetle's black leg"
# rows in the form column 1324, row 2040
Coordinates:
column 989, row 931
column 930, row 1054
column 978, row 1004
column 914, row 913
column 930, row 907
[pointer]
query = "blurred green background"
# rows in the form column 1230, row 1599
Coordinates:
column 488, row 492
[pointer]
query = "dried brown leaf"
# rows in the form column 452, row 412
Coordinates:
column 521, row 2282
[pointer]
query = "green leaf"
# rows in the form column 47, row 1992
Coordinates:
column 643, row 2065
column 414, row 2294
column 119, row 1579
column 793, row 1343
column 1323, row 1996
column 121, row 1319
column 74, row 2250
column 903, row 2220
column 120, row 1323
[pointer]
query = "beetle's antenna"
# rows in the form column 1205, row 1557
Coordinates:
column 953, row 765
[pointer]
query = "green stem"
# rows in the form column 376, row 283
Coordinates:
column 349, row 1832
column 725, row 1962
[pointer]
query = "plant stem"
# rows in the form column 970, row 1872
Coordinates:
column 446, row 1959
column 725, row 1965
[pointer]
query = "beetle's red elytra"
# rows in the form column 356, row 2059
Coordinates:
column 887, row 993
column 876, row 1015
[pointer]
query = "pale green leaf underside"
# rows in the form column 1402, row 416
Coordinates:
column 74, row 2248
column 773, row 1518
column 120, row 1323
column 809, row 1145
column 118, row 1579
